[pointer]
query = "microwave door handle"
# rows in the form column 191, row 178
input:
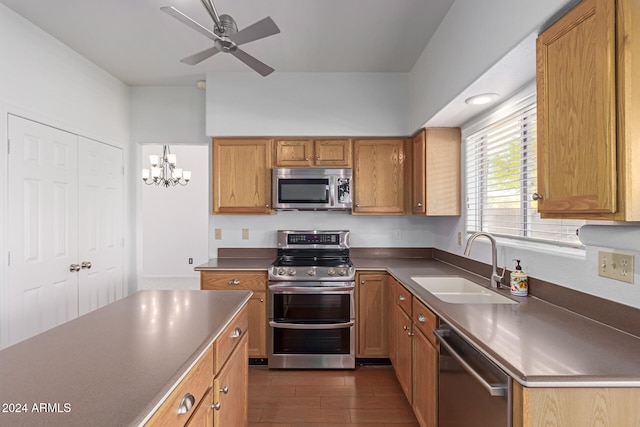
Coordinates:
column 311, row 325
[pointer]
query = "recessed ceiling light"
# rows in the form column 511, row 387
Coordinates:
column 201, row 84
column 483, row 98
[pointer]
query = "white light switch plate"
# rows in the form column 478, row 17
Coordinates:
column 615, row 266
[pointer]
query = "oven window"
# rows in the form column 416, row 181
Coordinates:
column 312, row 308
column 303, row 190
column 311, row 341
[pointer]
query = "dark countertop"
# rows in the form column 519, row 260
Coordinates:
column 539, row 344
column 115, row 365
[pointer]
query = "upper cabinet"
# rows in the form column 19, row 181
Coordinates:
column 436, row 171
column 587, row 113
column 379, row 176
column 313, row 152
column 241, row 176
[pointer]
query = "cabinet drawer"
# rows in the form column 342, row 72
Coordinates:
column 196, row 384
column 220, row 280
column 229, row 338
column 400, row 295
column 424, row 319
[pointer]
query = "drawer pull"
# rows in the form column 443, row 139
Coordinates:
column 225, row 390
column 234, row 282
column 401, row 297
column 186, row 403
column 216, row 406
column 421, row 318
column 236, row 332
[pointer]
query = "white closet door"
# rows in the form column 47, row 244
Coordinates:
column 101, row 251
column 42, row 228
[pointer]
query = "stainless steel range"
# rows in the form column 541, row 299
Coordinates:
column 311, row 301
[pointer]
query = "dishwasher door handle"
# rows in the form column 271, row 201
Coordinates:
column 493, row 389
column 283, row 325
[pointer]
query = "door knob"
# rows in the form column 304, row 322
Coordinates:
column 74, row 267
column 85, row 265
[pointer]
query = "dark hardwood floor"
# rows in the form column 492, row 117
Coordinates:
column 367, row 396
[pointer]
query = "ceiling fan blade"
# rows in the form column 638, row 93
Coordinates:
column 260, row 67
column 172, row 11
column 261, row 29
column 197, row 58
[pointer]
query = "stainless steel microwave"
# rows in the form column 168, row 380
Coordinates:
column 311, row 189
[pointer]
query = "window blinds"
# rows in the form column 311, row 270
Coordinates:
column 501, row 178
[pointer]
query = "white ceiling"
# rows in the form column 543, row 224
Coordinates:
column 140, row 45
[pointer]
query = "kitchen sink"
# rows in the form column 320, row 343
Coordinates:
column 458, row 290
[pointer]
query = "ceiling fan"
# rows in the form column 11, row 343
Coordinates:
column 226, row 37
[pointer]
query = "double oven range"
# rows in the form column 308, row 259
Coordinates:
column 311, row 302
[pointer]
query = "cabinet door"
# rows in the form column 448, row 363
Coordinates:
column 230, row 389
column 403, row 366
column 294, row 153
column 372, row 315
column 241, row 176
column 576, row 84
column 203, row 416
column 419, row 173
column 379, row 181
column 258, row 325
column 332, row 152
column 425, row 385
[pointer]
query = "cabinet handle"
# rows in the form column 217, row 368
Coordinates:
column 224, row 390
column 306, row 158
column 261, row 299
column 74, row 268
column 318, row 158
column 216, row 406
column 419, row 204
column 186, row 403
column 266, row 206
column 410, row 334
column 85, row 265
column 402, row 297
column 421, row 318
column 234, row 282
column 236, row 332
column 405, row 328
column 537, row 196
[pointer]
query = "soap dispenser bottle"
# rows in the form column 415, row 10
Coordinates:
column 519, row 281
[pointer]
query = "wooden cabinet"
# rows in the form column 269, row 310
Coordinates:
column 425, row 361
column 400, row 335
column 587, row 113
column 372, row 314
column 313, row 152
column 436, row 171
column 230, row 389
column 575, row 407
column 379, row 172
column 255, row 281
column 241, row 176
column 215, row 390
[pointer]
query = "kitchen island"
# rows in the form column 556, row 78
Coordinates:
column 116, row 365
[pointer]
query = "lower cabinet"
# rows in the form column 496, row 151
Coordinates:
column 371, row 316
column 255, row 281
column 413, row 351
column 215, row 391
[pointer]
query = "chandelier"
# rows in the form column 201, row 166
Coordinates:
column 164, row 171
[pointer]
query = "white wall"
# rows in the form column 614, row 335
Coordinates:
column 43, row 80
column 294, row 104
column 172, row 224
column 473, row 37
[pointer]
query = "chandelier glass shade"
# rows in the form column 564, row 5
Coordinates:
column 163, row 170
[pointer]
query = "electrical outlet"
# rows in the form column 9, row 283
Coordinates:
column 397, row 234
column 459, row 238
column 218, row 234
column 190, row 260
column 615, row 266
column 245, row 234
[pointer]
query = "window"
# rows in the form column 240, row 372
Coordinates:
column 501, row 179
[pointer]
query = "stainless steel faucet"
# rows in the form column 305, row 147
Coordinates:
column 496, row 280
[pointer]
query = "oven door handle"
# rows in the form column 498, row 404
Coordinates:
column 310, row 289
column 311, row 326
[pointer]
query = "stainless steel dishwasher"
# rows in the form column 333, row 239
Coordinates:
column 472, row 390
